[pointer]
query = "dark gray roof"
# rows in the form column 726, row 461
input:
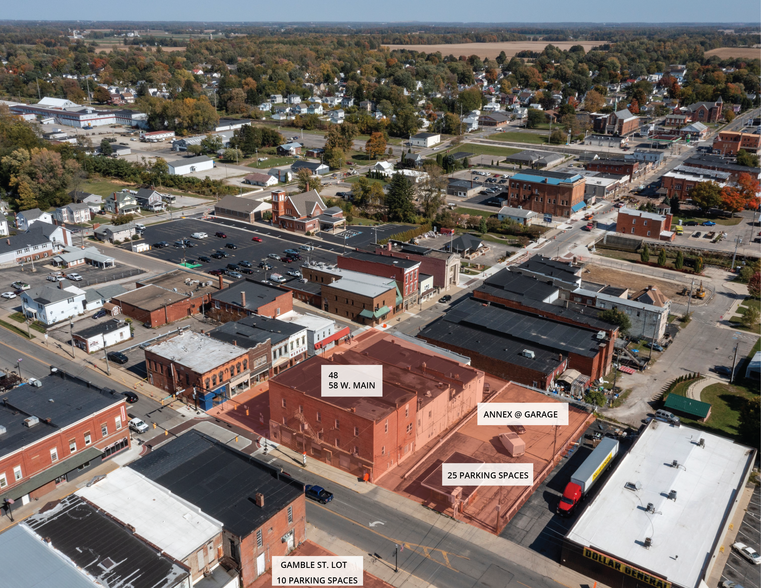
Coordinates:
column 386, row 260
column 252, row 330
column 466, row 242
column 72, row 400
column 425, row 135
column 720, row 163
column 36, row 235
column 238, row 204
column 104, row 549
column 48, row 294
column 188, row 160
column 527, row 328
column 550, row 268
column 526, row 286
column 220, row 481
column 468, row 184
column 100, row 328
column 310, row 165
column 32, row 213
column 549, row 174
column 462, row 155
column 257, row 294
column 415, row 156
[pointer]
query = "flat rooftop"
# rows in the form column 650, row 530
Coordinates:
column 311, row 322
column 185, row 281
column 156, row 514
column 372, row 258
column 150, row 298
column 550, row 268
column 196, row 351
column 253, row 330
column 257, row 294
column 683, row 531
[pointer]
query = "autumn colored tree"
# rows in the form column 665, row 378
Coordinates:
column 742, row 195
column 706, row 195
column 754, row 285
column 634, row 106
column 375, row 146
column 306, row 181
column 729, row 114
column 101, row 95
column 593, row 101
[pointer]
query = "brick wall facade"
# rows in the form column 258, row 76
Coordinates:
column 168, row 314
column 642, row 227
column 408, row 281
column 226, row 311
column 614, row 166
column 729, row 143
column 679, row 187
column 445, row 272
column 553, row 199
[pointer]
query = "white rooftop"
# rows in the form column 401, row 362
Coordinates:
column 683, row 531
column 198, row 352
column 311, row 322
column 171, row 524
column 642, row 214
column 359, row 283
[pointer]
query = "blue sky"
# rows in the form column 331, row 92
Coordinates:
column 547, row 11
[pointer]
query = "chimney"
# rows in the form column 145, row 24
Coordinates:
column 221, row 283
column 388, row 245
column 235, row 342
column 60, row 285
column 259, row 499
column 243, row 298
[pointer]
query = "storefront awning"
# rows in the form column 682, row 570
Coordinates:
column 578, row 207
column 381, row 312
column 334, row 337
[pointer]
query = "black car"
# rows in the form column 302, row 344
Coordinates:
column 217, row 255
column 244, row 263
column 160, row 245
column 117, row 357
column 223, row 253
column 204, row 259
column 293, row 256
column 245, row 270
column 444, row 299
column 264, row 265
column 100, row 314
column 691, row 224
column 189, row 243
column 232, row 266
column 723, row 370
column 231, row 246
column 319, row 494
column 131, row 397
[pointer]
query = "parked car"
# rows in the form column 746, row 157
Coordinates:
column 220, row 234
column 130, row 397
column 100, row 314
column 231, row 245
column 245, row 270
column 294, row 256
column 291, row 251
column 697, row 234
column 318, row 493
column 117, row 357
column 691, row 224
column 729, row 584
column 286, row 259
column 179, row 243
column 257, row 239
column 587, row 228
column 273, row 256
column 20, row 285
column 294, row 273
column 55, row 278
column 8, row 295
column 199, row 235
column 747, row 552
column 264, row 265
column 446, row 298
column 74, row 277
column 244, row 263
column 138, row 425
column 139, row 227
column 160, row 245
column 306, row 247
column 189, row 243
column 232, row 266
column 654, row 346
column 708, row 224
column 215, row 272
column 204, row 259
column 222, row 253
column 277, row 278
column 234, row 274
column 723, row 370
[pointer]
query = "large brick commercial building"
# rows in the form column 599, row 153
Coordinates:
column 423, row 395
column 644, row 224
column 262, row 511
column 443, row 266
column 304, row 213
column 199, row 368
column 556, row 193
column 248, row 297
column 730, row 142
column 680, row 181
column 406, row 272
column 55, row 432
column 619, row 167
column 723, row 164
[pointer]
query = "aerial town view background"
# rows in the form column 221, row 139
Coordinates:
column 362, row 298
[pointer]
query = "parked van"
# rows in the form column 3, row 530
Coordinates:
column 679, row 230
column 666, row 416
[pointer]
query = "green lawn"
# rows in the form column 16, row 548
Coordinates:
column 271, row 162
column 355, row 179
column 472, row 212
column 389, row 141
column 102, row 187
column 482, row 149
column 516, row 137
column 727, row 222
column 741, row 310
column 726, row 401
column 681, row 388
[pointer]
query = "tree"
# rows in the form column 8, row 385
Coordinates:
column 105, row 148
column 431, row 191
column 335, row 158
column 698, row 266
column 675, row 205
column 400, row 199
column 360, row 191
column 470, row 99
column 452, row 124
column 306, row 181
column 749, row 421
column 195, row 149
column 645, row 254
column 754, row 285
column 634, row 106
column 100, row 94
column 534, row 118
column 593, row 101
column 212, row 144
column 557, row 137
column 616, row 317
column 595, row 397
column 706, row 195
column 751, row 317
column 679, row 262
column 746, row 159
column 233, row 155
column 729, row 115
column 662, row 258
column 482, row 227
column 375, row 146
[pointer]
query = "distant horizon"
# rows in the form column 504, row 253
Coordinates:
column 398, row 12
column 431, row 23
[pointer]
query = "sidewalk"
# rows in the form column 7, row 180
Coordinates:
column 697, row 387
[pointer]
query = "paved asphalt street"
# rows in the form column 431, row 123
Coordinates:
column 433, row 553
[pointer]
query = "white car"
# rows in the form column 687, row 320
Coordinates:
column 294, row 273
column 306, row 247
column 748, row 553
column 8, row 295
column 138, row 425
column 139, row 227
column 74, row 277
column 55, row 278
column 199, row 235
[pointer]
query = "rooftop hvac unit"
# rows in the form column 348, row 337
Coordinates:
column 672, row 495
column 702, row 443
column 675, row 464
column 650, row 507
column 648, row 542
column 600, row 335
column 31, row 421
column 35, row 383
column 528, row 353
column 2, row 430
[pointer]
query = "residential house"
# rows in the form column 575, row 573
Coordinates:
column 297, row 212
column 38, row 243
column 383, row 167
column 413, row 159
column 347, row 101
column 259, row 179
column 123, row 202
column 290, row 149
column 315, row 167
column 493, row 119
column 315, row 109
column 4, row 230
column 336, row 117
column 518, row 215
column 51, row 304
column 115, row 233
column 26, row 218
column 149, row 199
column 76, row 213
column 367, row 105
column 276, row 99
column 283, row 174
column 102, row 335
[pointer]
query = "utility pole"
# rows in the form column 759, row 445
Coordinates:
column 734, row 363
column 105, row 354
column 738, row 240
column 71, row 335
column 689, row 300
column 18, row 366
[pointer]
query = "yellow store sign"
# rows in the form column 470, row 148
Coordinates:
column 619, row 566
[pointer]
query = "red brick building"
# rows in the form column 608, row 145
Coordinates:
column 644, row 224
column 406, row 272
column 249, row 297
column 262, row 510
column 704, row 112
column 56, row 432
column 730, row 142
column 619, row 167
column 423, row 395
column 202, row 369
column 680, row 181
column 299, row 213
column 443, row 266
column 556, row 193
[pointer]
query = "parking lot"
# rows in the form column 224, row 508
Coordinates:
column 738, row 569
column 246, row 249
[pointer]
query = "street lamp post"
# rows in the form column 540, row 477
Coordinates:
column 18, row 367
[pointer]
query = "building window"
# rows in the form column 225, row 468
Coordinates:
column 104, row 430
column 3, row 480
column 283, row 402
column 356, row 431
column 54, row 454
column 88, row 438
column 409, row 428
column 290, row 515
column 338, row 424
column 245, row 364
column 632, row 230
column 118, row 423
column 406, row 411
column 259, row 539
column 214, row 380
column 385, row 427
column 383, row 450
column 17, row 473
column 338, row 442
column 319, row 417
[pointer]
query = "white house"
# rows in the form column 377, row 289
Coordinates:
column 102, row 335
column 50, row 304
column 76, row 213
column 470, row 122
column 426, row 139
column 321, row 331
column 38, row 243
column 96, row 297
column 95, row 203
column 282, row 174
column 122, row 202
column 259, row 179
column 26, row 218
column 518, row 215
column 188, row 165
column 4, row 232
column 383, row 167
column 112, row 233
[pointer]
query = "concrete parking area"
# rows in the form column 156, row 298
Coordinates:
column 738, row 569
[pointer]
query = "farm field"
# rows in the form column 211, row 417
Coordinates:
column 729, row 52
column 491, row 50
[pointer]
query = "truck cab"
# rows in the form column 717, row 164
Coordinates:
column 570, row 498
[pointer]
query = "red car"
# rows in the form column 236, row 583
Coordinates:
column 257, row 239
column 587, row 228
column 220, row 234
column 286, row 259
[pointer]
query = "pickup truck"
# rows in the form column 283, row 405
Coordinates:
column 138, row 425
column 319, row 494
